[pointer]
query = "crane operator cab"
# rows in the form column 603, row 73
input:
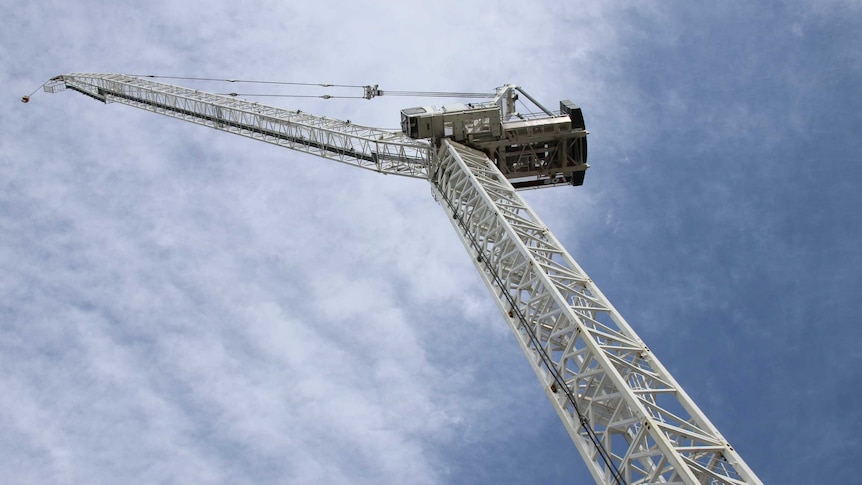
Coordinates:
column 531, row 150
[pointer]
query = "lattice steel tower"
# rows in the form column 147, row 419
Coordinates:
column 629, row 419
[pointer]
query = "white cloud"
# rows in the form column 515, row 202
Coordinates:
column 178, row 304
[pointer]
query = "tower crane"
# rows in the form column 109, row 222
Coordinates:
column 629, row 419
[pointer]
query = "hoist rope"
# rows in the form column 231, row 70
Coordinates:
column 368, row 90
column 437, row 94
column 249, row 81
column 324, row 96
column 381, row 92
column 526, row 108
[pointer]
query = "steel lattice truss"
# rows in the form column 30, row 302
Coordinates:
column 370, row 148
column 630, row 420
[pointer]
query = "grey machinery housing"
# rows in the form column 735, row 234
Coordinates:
column 530, row 150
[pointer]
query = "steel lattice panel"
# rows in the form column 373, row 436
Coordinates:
column 629, row 419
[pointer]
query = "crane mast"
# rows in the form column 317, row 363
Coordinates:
column 629, row 419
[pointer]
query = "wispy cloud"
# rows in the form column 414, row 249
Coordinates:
column 178, row 304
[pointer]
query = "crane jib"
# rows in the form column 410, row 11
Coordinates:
column 220, row 123
column 369, row 148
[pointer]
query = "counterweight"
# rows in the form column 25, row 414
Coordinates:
column 629, row 419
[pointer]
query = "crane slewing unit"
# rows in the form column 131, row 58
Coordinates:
column 529, row 149
column 629, row 419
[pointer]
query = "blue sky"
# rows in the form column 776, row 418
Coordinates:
column 181, row 305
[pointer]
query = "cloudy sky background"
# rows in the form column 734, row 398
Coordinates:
column 182, row 305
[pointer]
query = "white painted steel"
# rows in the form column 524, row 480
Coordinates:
column 629, row 419
column 627, row 416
